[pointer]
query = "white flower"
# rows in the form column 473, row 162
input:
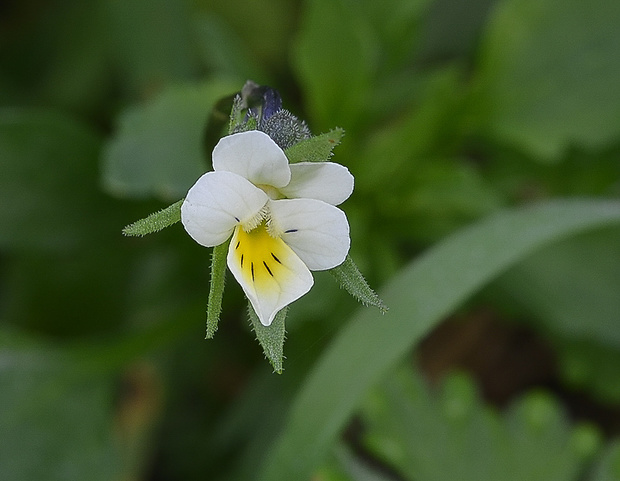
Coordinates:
column 281, row 218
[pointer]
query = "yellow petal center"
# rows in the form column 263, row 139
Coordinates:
column 262, row 258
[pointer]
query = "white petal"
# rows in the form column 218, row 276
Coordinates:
column 269, row 272
column 218, row 202
column 252, row 155
column 326, row 181
column 318, row 232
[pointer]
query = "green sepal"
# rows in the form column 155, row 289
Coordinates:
column 271, row 338
column 240, row 121
column 156, row 221
column 315, row 149
column 216, row 287
column 352, row 280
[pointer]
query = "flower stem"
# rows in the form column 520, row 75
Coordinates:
column 216, row 289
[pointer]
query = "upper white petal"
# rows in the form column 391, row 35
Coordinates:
column 270, row 273
column 326, row 181
column 252, row 155
column 218, row 202
column 317, row 231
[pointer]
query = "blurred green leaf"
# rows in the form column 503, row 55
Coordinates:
column 158, row 149
column 335, row 58
column 443, row 194
column 74, row 293
column 152, row 44
column 425, row 131
column 223, row 50
column 608, row 467
column 48, row 187
column 55, row 422
column 356, row 469
column 419, row 297
column 264, row 29
column 548, row 74
column 397, row 27
column 416, row 431
column 572, row 287
column 452, row 29
column 76, row 69
column 590, row 366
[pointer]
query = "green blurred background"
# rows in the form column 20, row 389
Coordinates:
column 453, row 110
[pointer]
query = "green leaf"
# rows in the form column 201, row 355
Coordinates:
column 352, row 280
column 216, row 287
column 315, row 149
column 156, row 221
column 608, row 467
column 335, row 59
column 222, row 50
column 420, row 296
column 549, row 72
column 271, row 337
column 48, row 187
column 49, row 408
column 415, row 431
column 152, row 43
column 158, row 149
column 590, row 367
column 355, row 467
column 398, row 27
column 572, row 288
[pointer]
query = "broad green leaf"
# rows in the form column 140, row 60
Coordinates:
column 55, row 422
column 572, row 288
column 315, row 149
column 158, row 148
column 420, row 296
column 335, row 60
column 48, row 187
column 416, row 431
column 216, row 287
column 549, row 72
column 156, row 221
column 271, row 337
column 352, row 280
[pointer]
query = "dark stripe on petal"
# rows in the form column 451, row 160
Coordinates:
column 268, row 270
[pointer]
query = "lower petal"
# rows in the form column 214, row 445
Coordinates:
column 270, row 273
